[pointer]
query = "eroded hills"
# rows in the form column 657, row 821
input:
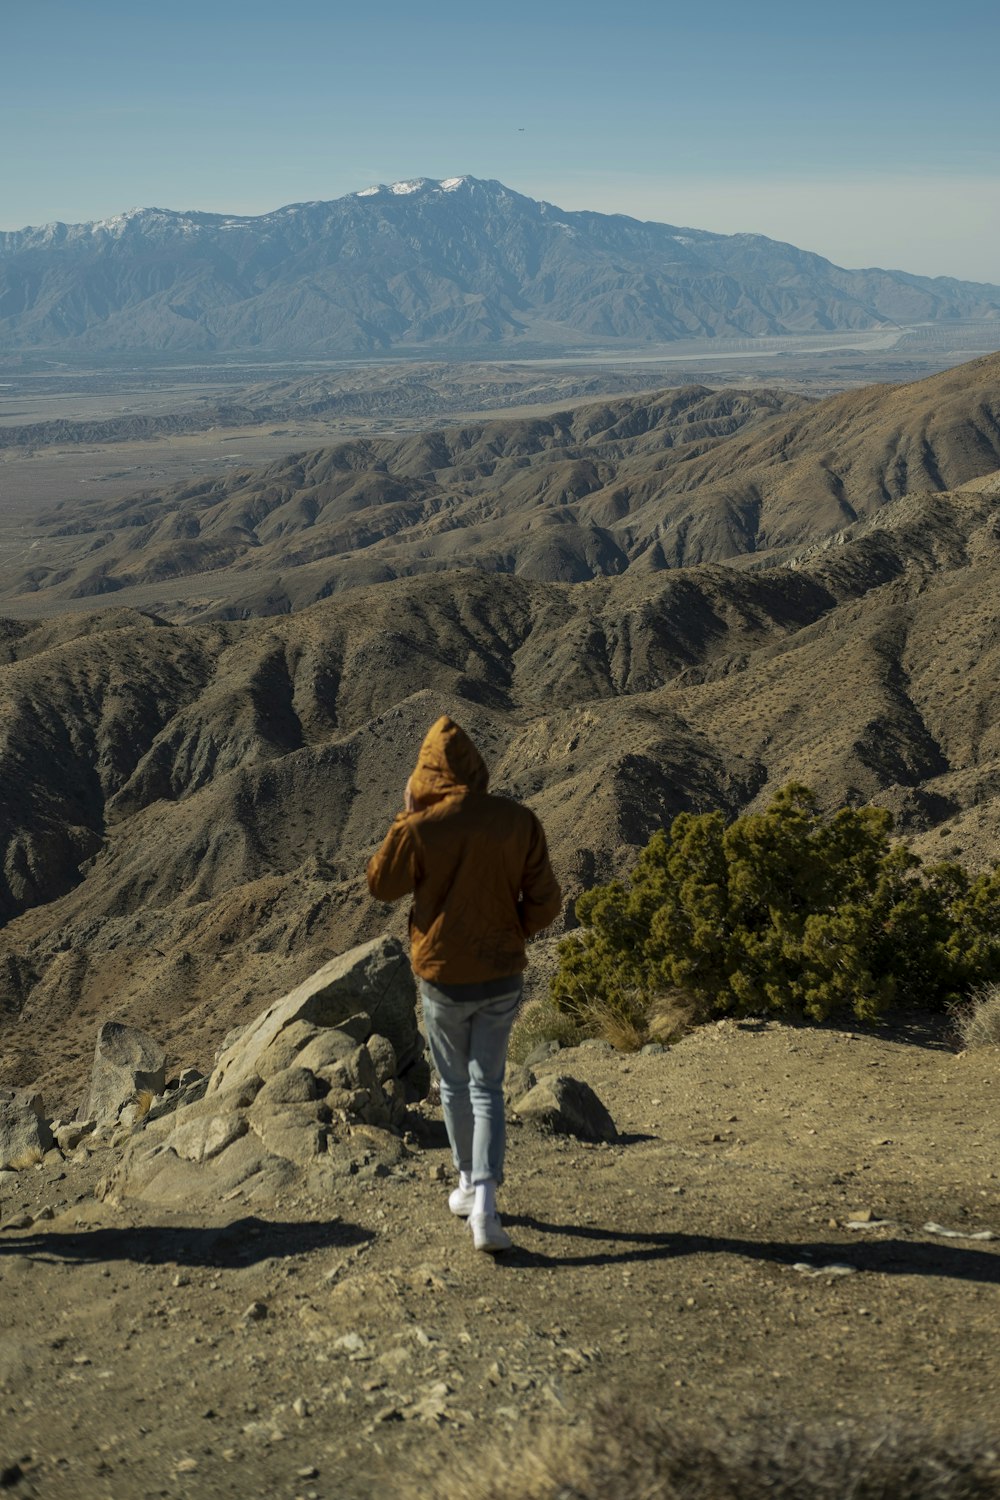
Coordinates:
column 189, row 805
column 637, row 483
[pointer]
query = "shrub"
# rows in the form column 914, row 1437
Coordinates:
column 785, row 912
column 977, row 1020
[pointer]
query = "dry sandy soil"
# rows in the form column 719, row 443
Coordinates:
column 690, row 1267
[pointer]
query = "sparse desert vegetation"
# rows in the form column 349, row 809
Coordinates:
column 977, row 1018
column 784, row 912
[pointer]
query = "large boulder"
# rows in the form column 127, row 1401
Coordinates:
column 371, row 985
column 24, row 1131
column 294, row 1098
column 567, row 1106
column 127, row 1062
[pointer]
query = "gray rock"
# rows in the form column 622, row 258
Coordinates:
column 297, row 1133
column 24, row 1131
column 383, row 1055
column 189, row 1076
column 126, row 1062
column 295, row 1085
column 68, row 1137
column 201, row 1139
column 519, row 1081
column 374, row 978
column 541, row 1053
column 567, row 1106
column 650, row 1048
column 330, row 1045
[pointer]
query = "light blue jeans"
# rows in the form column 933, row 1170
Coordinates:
column 468, row 1047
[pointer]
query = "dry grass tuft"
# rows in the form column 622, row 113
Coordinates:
column 977, row 1020
column 622, row 1454
column 673, row 1015
column 619, row 1018
column 541, row 1021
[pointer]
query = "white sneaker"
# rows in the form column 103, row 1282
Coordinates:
column 488, row 1234
column 462, row 1201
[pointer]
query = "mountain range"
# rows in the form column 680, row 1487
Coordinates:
column 460, row 264
column 186, row 806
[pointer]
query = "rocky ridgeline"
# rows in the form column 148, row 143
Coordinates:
column 314, row 1089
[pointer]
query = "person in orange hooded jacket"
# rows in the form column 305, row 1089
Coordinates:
column 478, row 869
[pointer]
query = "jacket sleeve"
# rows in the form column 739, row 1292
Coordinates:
column 541, row 898
column 392, row 872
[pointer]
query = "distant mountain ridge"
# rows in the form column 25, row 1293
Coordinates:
column 461, row 264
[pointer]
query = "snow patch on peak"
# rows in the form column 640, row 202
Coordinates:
column 413, row 185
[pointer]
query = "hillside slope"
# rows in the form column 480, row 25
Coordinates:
column 638, row 483
column 187, row 808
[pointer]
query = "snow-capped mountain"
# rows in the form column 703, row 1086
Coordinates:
column 424, row 264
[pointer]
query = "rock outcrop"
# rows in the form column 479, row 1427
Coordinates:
column 127, row 1063
column 24, row 1131
column 310, row 1091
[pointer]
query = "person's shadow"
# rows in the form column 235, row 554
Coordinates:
column 886, row 1257
column 244, row 1242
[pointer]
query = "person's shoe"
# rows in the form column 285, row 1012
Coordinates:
column 488, row 1233
column 462, row 1201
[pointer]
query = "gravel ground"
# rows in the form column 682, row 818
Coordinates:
column 705, row 1264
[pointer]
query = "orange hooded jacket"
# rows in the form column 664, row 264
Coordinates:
column 477, row 866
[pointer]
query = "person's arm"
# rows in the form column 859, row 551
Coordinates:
column 392, row 871
column 541, row 898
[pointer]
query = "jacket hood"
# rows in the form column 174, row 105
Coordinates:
column 448, row 762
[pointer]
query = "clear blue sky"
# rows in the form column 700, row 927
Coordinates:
column 868, row 132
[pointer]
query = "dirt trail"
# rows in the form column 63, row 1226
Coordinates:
column 686, row 1268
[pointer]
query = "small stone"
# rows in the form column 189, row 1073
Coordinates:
column 181, row 1280
column 255, row 1313
column 651, row 1049
column 301, row 1408
column 187, row 1466
column 350, row 1343
column 437, row 1173
column 861, row 1216
column 307, row 1471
